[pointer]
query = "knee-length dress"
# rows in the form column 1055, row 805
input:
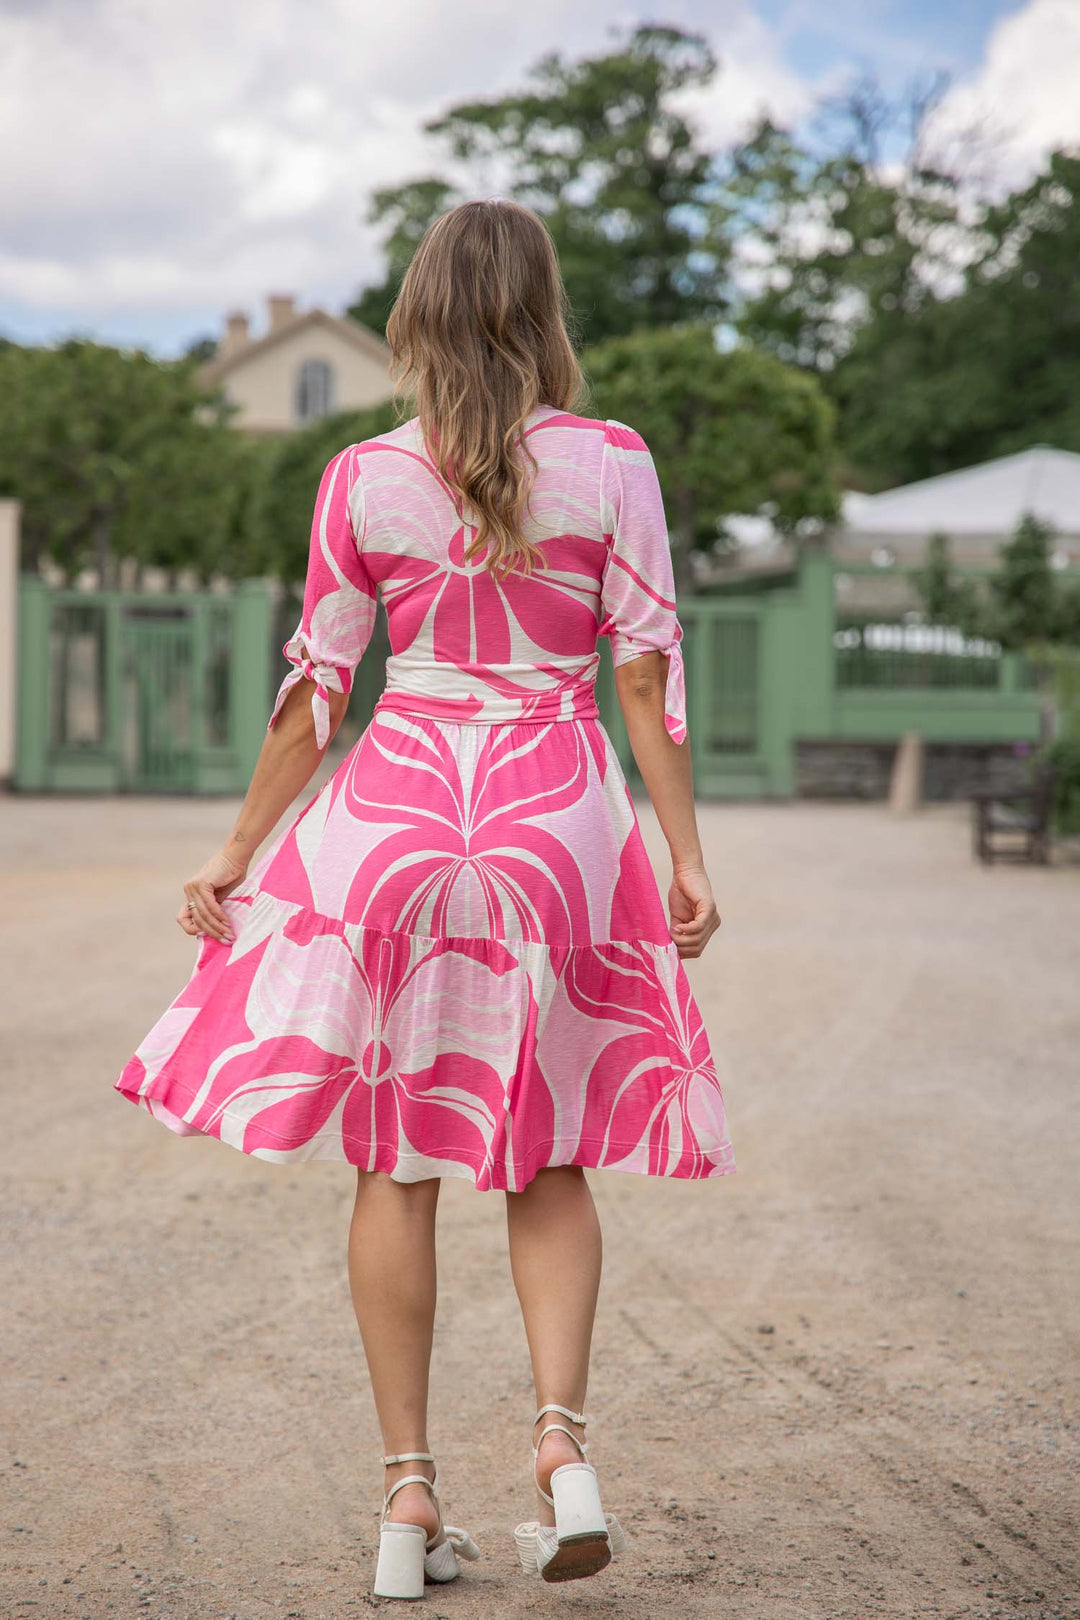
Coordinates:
column 456, row 960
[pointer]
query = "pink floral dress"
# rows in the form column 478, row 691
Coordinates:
column 456, row 961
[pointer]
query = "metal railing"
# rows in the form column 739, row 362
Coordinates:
column 915, row 656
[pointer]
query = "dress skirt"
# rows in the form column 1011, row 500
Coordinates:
column 455, row 961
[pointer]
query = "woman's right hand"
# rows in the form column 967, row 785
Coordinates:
column 694, row 917
column 201, row 911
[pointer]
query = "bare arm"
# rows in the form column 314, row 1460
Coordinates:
column 287, row 761
column 666, row 770
column 336, row 623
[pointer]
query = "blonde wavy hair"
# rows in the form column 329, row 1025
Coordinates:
column 480, row 337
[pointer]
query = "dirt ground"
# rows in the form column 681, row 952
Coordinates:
column 840, row 1383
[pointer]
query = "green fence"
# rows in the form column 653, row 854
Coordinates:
column 767, row 671
column 121, row 691
column 925, row 657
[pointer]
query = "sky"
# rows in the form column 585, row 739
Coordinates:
column 165, row 163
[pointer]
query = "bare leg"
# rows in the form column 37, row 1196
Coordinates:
column 392, row 1279
column 556, row 1251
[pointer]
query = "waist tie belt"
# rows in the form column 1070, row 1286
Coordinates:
column 563, row 703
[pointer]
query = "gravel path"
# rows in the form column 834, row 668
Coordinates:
column 841, row 1383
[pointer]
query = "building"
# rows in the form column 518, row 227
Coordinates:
column 301, row 367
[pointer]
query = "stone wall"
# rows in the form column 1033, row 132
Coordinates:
column 862, row 770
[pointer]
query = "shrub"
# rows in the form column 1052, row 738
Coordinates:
column 1064, row 755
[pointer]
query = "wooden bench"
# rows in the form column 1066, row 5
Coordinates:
column 1022, row 819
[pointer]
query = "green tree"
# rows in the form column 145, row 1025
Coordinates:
column 946, row 599
column 1024, row 599
column 601, row 150
column 201, row 349
column 991, row 369
column 944, row 327
column 1028, row 607
column 1024, row 605
column 846, row 245
column 115, row 454
column 405, row 212
column 284, row 497
column 731, row 433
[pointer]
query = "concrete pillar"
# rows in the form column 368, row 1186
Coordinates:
column 9, row 635
column 906, row 786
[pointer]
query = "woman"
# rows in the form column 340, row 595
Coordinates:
column 455, row 960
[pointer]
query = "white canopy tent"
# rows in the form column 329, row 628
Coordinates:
column 977, row 507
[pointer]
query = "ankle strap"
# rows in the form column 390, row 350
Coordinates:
column 409, row 1479
column 559, row 1428
column 556, row 1428
column 408, row 1456
column 552, row 1406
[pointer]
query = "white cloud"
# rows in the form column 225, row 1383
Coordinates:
column 1026, row 91
column 172, row 161
column 753, row 79
column 164, row 162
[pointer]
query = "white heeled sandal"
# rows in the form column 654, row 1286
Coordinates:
column 406, row 1555
column 583, row 1538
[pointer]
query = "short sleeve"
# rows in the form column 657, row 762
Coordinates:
column 338, row 615
column 638, row 587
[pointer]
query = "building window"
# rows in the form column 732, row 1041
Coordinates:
column 314, row 390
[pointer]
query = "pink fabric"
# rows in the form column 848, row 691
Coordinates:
column 456, row 960
column 339, row 602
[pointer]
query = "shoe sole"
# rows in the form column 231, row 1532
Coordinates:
column 578, row 1557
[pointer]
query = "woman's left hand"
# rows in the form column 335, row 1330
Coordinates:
column 212, row 883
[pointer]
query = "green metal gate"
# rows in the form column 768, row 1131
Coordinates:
column 723, row 649
column 122, row 691
column 157, row 663
column 723, row 643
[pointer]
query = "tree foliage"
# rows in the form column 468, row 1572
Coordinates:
column 114, row 454
column 946, row 599
column 846, row 245
column 735, row 432
column 405, row 212
column 284, row 497
column 893, row 326
column 944, row 327
column 1024, row 605
column 990, row 370
column 599, row 148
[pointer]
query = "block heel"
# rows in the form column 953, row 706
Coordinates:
column 399, row 1572
column 583, row 1538
column 576, row 1495
column 407, row 1559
